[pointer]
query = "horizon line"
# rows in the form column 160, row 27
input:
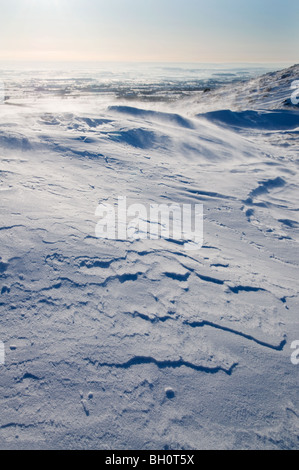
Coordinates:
column 114, row 61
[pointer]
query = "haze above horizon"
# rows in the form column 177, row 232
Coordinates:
column 181, row 31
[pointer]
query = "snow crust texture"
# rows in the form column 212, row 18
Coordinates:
column 142, row 344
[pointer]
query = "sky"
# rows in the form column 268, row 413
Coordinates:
column 150, row 30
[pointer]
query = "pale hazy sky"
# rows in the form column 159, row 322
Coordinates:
column 150, row 30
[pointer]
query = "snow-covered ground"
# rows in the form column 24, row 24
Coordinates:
column 97, row 331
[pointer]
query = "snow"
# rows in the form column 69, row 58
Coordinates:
column 141, row 344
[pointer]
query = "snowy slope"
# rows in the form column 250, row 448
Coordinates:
column 96, row 331
column 270, row 91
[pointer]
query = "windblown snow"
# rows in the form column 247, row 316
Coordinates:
column 140, row 344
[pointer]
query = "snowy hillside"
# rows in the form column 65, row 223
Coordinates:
column 97, row 332
column 270, row 91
